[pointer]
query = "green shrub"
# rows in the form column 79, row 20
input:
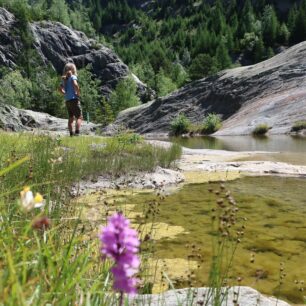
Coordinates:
column 124, row 96
column 261, row 129
column 203, row 65
column 91, row 96
column 164, row 84
column 15, row 90
column 298, row 126
column 129, row 138
column 180, row 125
column 211, row 123
column 195, row 128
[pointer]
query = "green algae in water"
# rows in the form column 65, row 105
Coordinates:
column 275, row 231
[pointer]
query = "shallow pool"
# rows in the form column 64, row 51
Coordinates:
column 274, row 240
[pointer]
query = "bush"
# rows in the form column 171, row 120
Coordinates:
column 44, row 95
column 298, row 126
column 129, row 138
column 90, row 95
column 203, row 65
column 180, row 125
column 15, row 90
column 124, row 96
column 261, row 129
column 164, row 85
column 211, row 123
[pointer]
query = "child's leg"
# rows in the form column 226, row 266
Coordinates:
column 78, row 125
column 70, row 123
column 78, row 116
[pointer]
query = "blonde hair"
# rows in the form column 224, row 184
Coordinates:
column 69, row 70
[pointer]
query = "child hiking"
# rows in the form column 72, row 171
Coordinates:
column 70, row 89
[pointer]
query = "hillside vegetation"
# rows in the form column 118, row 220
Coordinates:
column 165, row 43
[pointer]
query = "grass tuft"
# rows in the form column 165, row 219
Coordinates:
column 180, row 125
column 298, row 126
column 211, row 124
column 261, row 129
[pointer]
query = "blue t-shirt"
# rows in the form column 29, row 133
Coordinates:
column 70, row 93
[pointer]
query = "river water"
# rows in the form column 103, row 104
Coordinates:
column 290, row 149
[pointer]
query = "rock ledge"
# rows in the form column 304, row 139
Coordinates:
column 199, row 296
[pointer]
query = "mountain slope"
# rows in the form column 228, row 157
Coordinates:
column 271, row 92
column 56, row 44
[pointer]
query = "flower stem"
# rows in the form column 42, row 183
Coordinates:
column 121, row 299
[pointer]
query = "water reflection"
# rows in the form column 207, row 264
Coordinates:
column 280, row 143
column 289, row 149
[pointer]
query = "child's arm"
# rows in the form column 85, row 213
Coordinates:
column 76, row 87
column 61, row 89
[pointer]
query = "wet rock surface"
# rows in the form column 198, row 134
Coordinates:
column 245, row 296
column 16, row 120
column 272, row 92
column 157, row 179
column 207, row 160
column 56, row 44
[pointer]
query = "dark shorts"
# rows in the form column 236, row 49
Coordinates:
column 74, row 108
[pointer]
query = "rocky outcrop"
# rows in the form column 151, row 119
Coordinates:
column 271, row 92
column 10, row 43
column 56, row 44
column 14, row 119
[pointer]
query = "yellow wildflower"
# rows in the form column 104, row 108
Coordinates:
column 28, row 202
column 38, row 200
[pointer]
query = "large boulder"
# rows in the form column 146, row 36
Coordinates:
column 271, row 92
column 14, row 119
column 57, row 44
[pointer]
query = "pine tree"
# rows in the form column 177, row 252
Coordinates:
column 90, row 92
column 178, row 74
column 247, row 19
column 233, row 22
column 283, row 35
column 218, row 22
column 229, row 39
column 124, row 95
column 292, row 17
column 164, row 84
column 59, row 11
column 186, row 58
column 222, row 56
column 270, row 52
column 270, row 25
column 203, row 65
column 231, row 9
column 259, row 50
column 104, row 114
column 298, row 32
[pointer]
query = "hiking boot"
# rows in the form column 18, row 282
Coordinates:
column 77, row 133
